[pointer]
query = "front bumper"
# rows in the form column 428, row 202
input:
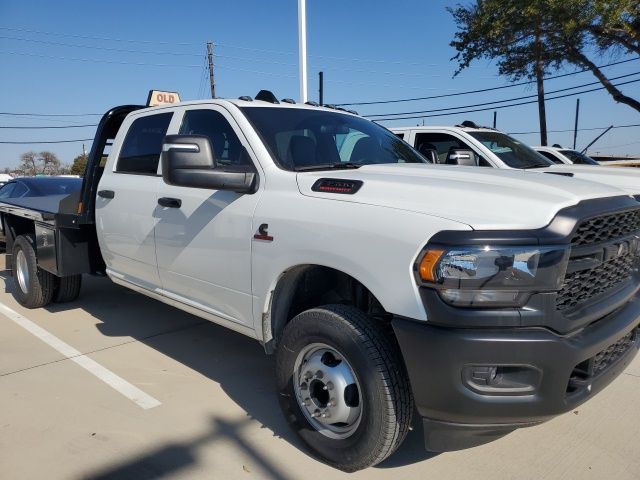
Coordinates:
column 540, row 374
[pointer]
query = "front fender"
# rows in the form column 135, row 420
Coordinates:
column 375, row 245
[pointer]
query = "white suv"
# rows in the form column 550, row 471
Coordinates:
column 567, row 156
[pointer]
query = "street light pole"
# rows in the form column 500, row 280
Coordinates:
column 302, row 47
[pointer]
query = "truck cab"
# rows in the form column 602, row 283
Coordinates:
column 471, row 145
column 483, row 299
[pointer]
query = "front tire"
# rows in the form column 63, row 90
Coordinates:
column 343, row 386
column 33, row 286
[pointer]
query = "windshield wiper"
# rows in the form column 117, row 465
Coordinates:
column 536, row 165
column 329, row 166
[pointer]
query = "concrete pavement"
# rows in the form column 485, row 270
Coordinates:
column 218, row 415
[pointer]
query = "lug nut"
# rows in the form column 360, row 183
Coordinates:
column 329, row 386
column 333, row 402
column 319, row 374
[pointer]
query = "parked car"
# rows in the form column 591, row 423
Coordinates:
column 484, row 299
column 559, row 155
column 40, row 186
column 29, row 187
column 471, row 145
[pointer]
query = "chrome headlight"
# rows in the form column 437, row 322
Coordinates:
column 493, row 276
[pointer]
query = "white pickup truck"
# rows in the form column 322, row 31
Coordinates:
column 471, row 145
column 485, row 300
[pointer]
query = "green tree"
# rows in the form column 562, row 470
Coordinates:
column 530, row 38
column 79, row 165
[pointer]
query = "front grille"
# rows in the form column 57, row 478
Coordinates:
column 584, row 372
column 611, row 354
column 607, row 227
column 580, row 286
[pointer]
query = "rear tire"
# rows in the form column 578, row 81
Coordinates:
column 333, row 345
column 67, row 288
column 33, row 287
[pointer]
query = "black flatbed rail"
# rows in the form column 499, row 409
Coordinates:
column 63, row 226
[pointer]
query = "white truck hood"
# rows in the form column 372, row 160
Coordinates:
column 627, row 179
column 484, row 199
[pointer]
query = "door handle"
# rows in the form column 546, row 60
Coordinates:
column 169, row 202
column 106, row 193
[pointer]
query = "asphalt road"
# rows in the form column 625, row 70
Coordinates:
column 152, row 392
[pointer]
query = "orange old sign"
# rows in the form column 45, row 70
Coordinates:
column 158, row 97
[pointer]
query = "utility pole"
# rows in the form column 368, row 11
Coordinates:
column 321, row 88
column 302, row 46
column 210, row 57
column 575, row 127
column 495, row 118
column 540, row 83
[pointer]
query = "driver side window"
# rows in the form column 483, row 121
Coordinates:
column 438, row 145
column 226, row 145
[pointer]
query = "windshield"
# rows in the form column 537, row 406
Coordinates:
column 578, row 158
column 512, row 152
column 304, row 139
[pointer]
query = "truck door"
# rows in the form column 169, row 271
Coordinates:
column 203, row 241
column 126, row 201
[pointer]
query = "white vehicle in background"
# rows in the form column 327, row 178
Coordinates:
column 470, row 145
column 5, row 178
column 567, row 156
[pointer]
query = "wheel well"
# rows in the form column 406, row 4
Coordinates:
column 13, row 227
column 308, row 286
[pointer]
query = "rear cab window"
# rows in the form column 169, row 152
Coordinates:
column 140, row 152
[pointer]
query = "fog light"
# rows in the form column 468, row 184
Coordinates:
column 502, row 379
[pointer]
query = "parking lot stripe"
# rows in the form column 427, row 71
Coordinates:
column 116, row 382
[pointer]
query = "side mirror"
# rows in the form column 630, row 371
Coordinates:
column 465, row 158
column 189, row 161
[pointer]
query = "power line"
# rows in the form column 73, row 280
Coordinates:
column 498, row 101
column 501, row 106
column 227, row 67
column 579, row 129
column 482, row 90
column 49, row 141
column 47, row 126
column 328, row 57
column 121, row 50
column 96, row 60
column 617, row 146
column 88, row 37
column 20, row 114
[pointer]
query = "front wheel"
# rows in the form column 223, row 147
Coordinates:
column 343, row 386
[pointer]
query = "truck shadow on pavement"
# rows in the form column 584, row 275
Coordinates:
column 237, row 363
column 178, row 457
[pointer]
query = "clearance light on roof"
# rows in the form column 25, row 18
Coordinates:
column 337, row 185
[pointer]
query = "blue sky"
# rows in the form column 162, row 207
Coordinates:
column 70, row 57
